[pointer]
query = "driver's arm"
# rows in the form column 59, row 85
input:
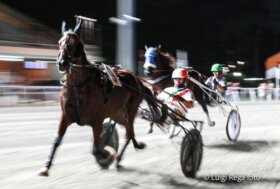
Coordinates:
column 187, row 103
column 218, row 86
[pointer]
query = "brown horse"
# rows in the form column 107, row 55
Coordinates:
column 86, row 100
column 157, row 67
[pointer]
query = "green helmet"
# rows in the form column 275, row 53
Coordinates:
column 216, row 68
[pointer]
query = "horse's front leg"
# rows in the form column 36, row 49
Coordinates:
column 57, row 141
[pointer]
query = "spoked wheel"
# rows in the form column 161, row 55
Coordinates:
column 191, row 153
column 109, row 139
column 233, row 125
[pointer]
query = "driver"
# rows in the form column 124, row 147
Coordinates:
column 179, row 98
column 217, row 82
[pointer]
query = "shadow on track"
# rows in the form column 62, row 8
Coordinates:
column 245, row 145
column 169, row 181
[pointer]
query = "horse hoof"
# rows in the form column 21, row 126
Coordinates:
column 44, row 172
column 149, row 131
column 211, row 124
column 104, row 167
column 105, row 158
column 120, row 167
column 141, row 145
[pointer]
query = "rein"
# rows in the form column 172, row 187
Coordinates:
column 63, row 80
column 171, row 95
column 75, row 66
column 157, row 80
column 83, row 66
column 158, row 71
column 194, row 123
column 207, row 90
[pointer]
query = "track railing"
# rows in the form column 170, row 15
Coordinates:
column 13, row 95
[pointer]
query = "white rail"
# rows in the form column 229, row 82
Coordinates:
column 12, row 95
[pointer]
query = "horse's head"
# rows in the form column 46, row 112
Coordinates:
column 156, row 62
column 70, row 48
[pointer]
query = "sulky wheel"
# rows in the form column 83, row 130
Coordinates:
column 109, row 139
column 191, row 153
column 233, row 125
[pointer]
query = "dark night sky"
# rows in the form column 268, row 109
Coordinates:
column 211, row 31
column 52, row 12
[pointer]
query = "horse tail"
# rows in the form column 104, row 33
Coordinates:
column 199, row 94
column 158, row 115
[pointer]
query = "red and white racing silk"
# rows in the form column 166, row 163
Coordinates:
column 167, row 97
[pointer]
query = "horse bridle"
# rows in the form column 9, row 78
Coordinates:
column 70, row 59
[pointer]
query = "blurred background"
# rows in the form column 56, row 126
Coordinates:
column 244, row 36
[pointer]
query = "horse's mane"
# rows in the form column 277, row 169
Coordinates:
column 168, row 56
column 167, row 59
column 68, row 32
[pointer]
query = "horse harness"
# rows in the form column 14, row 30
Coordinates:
column 105, row 81
column 75, row 89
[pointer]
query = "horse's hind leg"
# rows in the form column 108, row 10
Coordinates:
column 120, row 155
column 150, row 128
column 57, row 141
column 138, row 145
column 131, row 111
column 204, row 107
column 127, row 119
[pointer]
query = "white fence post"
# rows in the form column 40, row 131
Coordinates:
column 277, row 77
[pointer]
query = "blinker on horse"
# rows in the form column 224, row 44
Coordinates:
column 83, row 100
column 157, row 67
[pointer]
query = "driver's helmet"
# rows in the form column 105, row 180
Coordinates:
column 180, row 73
column 216, row 68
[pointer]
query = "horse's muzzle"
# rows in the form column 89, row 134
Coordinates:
column 148, row 71
column 62, row 65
